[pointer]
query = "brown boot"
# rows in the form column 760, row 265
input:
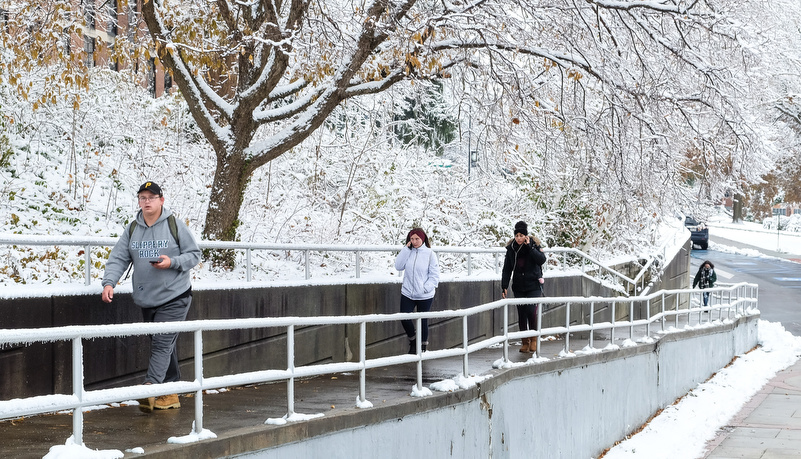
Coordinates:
column 532, row 345
column 165, row 402
column 146, row 404
column 524, row 347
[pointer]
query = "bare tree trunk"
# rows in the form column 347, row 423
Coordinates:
column 222, row 218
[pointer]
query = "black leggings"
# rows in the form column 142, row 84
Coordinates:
column 527, row 313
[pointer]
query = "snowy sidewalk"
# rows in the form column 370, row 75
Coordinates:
column 769, row 425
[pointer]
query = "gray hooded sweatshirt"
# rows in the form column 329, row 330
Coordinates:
column 151, row 286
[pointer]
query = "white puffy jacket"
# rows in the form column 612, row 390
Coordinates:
column 420, row 272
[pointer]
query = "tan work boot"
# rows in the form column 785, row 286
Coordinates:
column 146, row 404
column 532, row 346
column 524, row 347
column 165, row 402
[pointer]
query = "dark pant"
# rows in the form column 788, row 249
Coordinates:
column 527, row 313
column 706, row 298
column 408, row 305
column 163, row 366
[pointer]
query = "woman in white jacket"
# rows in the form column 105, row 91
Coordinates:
column 420, row 279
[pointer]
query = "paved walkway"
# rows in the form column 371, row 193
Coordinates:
column 768, row 426
column 242, row 412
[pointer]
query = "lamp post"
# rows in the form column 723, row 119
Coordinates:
column 472, row 161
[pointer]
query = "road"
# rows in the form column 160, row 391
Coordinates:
column 779, row 281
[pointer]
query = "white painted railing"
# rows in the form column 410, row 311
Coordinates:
column 727, row 303
column 558, row 258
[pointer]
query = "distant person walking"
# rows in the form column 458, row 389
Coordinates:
column 420, row 279
column 705, row 278
column 162, row 251
column 523, row 266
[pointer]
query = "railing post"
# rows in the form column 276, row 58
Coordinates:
column 631, row 319
column 87, row 257
column 290, row 364
column 306, row 263
column 417, row 344
column 539, row 327
column 465, row 344
column 469, row 265
column 506, row 332
column 729, row 310
column 700, row 301
column 496, row 263
column 567, row 328
column 362, row 360
column 648, row 318
column 592, row 324
column 358, row 264
column 663, row 311
column 741, row 292
column 248, row 264
column 199, row 379
column 756, row 296
column 77, row 388
column 612, row 332
column 736, row 302
column 676, row 317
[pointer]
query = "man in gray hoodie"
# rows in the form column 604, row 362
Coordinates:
column 162, row 251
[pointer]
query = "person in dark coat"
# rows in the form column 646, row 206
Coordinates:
column 705, row 278
column 523, row 267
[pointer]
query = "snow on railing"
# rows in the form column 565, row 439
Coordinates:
column 559, row 258
column 728, row 302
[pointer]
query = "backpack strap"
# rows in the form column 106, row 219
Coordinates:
column 173, row 228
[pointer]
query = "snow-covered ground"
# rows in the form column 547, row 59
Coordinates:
column 682, row 430
column 787, row 242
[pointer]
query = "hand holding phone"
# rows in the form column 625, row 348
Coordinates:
column 154, row 262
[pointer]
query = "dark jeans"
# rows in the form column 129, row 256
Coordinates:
column 706, row 298
column 527, row 313
column 408, row 305
column 163, row 366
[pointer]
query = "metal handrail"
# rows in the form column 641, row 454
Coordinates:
column 87, row 242
column 733, row 301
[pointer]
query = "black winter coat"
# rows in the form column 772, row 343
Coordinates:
column 523, row 266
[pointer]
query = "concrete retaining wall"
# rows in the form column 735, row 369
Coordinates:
column 566, row 408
